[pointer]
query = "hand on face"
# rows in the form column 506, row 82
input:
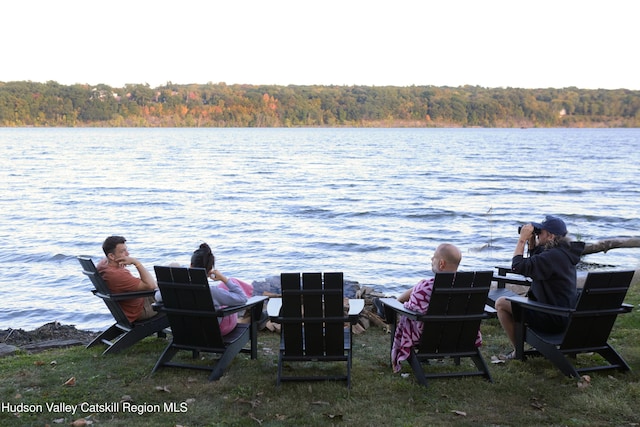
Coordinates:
column 121, row 255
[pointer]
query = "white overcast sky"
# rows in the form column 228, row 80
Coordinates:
column 491, row 43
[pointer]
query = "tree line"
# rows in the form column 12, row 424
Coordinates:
column 26, row 103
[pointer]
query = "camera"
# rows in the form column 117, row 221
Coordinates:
column 536, row 230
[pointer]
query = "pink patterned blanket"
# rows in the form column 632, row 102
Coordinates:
column 408, row 332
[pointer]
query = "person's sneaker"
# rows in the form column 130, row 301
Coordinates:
column 379, row 308
column 508, row 356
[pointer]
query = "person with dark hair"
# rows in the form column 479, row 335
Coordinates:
column 230, row 291
column 552, row 265
column 119, row 279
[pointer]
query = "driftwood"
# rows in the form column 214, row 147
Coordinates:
column 606, row 245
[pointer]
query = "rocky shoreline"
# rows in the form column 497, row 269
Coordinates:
column 50, row 335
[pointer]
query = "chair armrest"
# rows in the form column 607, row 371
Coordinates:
column 506, row 276
column 125, row 295
column 273, row 308
column 252, row 301
column 275, row 304
column 356, row 306
column 525, row 302
column 627, row 307
column 399, row 308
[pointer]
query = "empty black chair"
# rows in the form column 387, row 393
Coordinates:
column 313, row 321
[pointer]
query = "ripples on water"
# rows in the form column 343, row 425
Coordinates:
column 373, row 203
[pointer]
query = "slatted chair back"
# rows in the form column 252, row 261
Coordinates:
column 597, row 308
column 313, row 315
column 102, row 290
column 189, row 306
column 455, row 311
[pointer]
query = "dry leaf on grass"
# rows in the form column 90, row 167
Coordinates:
column 461, row 413
column 537, row 404
column 254, row 403
column 71, row 382
column 584, row 382
column 163, row 388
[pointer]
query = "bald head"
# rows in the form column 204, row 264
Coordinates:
column 446, row 258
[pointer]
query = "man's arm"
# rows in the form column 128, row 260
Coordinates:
column 147, row 282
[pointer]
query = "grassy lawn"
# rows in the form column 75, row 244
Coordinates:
column 119, row 390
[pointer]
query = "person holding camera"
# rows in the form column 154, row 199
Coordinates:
column 552, row 266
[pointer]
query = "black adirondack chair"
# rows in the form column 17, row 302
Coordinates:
column 312, row 318
column 187, row 302
column 451, row 324
column 504, row 277
column 123, row 333
column 590, row 324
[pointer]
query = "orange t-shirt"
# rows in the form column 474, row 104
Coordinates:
column 119, row 280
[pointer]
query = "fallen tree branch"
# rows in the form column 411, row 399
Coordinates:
column 606, row 245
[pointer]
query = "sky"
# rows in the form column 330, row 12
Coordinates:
column 490, row 43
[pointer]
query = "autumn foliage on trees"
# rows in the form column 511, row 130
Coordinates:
column 221, row 105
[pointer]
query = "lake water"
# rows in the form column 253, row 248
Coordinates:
column 373, row 203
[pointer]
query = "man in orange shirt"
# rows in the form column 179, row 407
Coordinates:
column 119, row 279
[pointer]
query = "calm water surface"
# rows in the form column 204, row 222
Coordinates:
column 373, row 203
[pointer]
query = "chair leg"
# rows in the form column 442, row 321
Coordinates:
column 417, row 369
column 481, row 365
column 256, row 312
column 165, row 357
column 614, row 358
column 279, row 375
column 349, row 369
column 551, row 353
column 227, row 357
column 124, row 342
column 107, row 336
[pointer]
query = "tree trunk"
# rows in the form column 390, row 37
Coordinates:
column 606, row 245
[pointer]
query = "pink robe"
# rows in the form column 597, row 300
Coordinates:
column 228, row 323
column 408, row 332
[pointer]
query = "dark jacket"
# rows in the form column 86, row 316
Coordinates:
column 554, row 277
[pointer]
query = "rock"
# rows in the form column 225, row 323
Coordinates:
column 7, row 350
column 50, row 335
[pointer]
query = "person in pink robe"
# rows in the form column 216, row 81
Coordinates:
column 446, row 258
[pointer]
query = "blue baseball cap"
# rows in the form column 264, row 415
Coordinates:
column 553, row 225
